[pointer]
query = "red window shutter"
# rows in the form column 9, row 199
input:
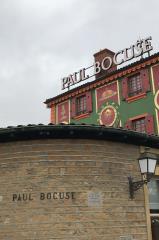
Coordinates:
column 125, row 88
column 53, row 116
column 156, row 76
column 145, row 80
column 89, row 101
column 128, row 124
column 73, row 107
column 149, row 124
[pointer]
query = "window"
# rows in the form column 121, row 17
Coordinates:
column 139, row 125
column 81, row 105
column 154, row 195
column 153, row 187
column 134, row 85
column 142, row 123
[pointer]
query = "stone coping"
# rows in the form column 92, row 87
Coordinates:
column 76, row 131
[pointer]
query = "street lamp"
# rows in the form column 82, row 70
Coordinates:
column 147, row 163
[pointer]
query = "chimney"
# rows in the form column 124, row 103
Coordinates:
column 99, row 56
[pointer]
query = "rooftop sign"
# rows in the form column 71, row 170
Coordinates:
column 138, row 49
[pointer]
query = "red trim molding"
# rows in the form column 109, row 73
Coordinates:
column 138, row 117
column 84, row 115
column 136, row 97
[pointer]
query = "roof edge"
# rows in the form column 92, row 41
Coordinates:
column 62, row 131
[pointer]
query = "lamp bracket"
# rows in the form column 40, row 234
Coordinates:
column 134, row 186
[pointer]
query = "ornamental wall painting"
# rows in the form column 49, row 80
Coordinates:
column 105, row 93
column 107, row 105
column 108, row 115
column 63, row 112
column 155, row 80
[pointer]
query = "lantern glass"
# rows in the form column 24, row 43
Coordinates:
column 152, row 165
column 143, row 165
column 147, row 165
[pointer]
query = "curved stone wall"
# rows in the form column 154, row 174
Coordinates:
column 69, row 189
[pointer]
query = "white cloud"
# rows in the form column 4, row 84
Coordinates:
column 44, row 40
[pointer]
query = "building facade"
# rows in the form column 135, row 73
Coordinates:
column 127, row 97
column 71, row 179
column 71, row 182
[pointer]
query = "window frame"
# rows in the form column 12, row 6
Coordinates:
column 154, row 214
column 81, row 105
column 149, row 123
column 88, row 105
column 139, row 124
column 135, row 85
column 154, row 211
column 145, row 84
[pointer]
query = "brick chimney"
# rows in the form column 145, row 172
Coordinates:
column 99, row 56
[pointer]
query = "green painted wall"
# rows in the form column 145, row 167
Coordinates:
column 126, row 110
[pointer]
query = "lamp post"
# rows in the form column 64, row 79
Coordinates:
column 147, row 163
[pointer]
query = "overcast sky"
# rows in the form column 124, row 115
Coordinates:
column 44, row 40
